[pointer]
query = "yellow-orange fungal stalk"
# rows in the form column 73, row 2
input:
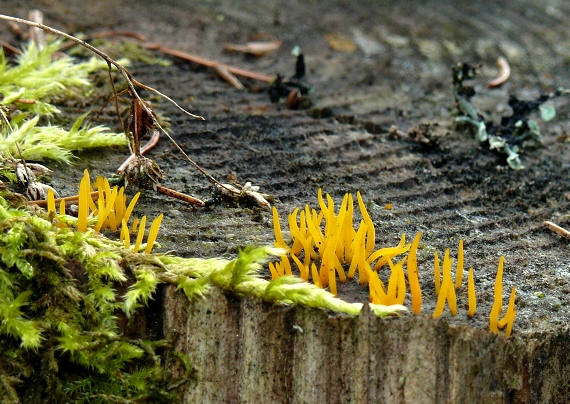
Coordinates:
column 274, row 274
column 125, row 236
column 303, row 270
column 279, row 242
column 442, row 297
column 135, row 225
column 50, row 201
column 153, row 233
column 130, row 208
column 140, row 234
column 510, row 313
column 472, row 298
column 83, row 203
column 498, row 301
column 459, row 272
column 376, row 288
column 62, row 207
column 286, row 265
column 371, row 232
column 356, row 249
column 294, row 229
column 436, row 274
column 315, row 276
column 413, row 278
column 450, row 291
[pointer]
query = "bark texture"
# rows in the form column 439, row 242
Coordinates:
column 247, row 351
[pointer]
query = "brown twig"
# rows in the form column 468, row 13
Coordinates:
column 178, row 195
column 228, row 77
column 9, row 48
column 68, row 200
column 557, row 229
column 504, row 73
column 211, row 63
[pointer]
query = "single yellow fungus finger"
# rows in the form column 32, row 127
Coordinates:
column 135, row 224
column 356, row 249
column 62, row 207
column 83, row 203
column 450, row 291
column 401, row 290
column 370, row 234
column 445, row 284
column 315, row 276
column 413, row 278
column 436, row 274
column 294, row 229
column 498, row 301
column 279, row 242
column 376, row 288
column 459, row 272
column 392, row 284
column 286, row 265
column 274, row 274
column 125, row 236
column 510, row 323
column 50, row 201
column 509, row 315
column 303, row 270
column 279, row 269
column 472, row 297
column 332, row 280
column 348, row 232
column 383, row 254
column 130, row 208
column 140, row 234
column 153, row 233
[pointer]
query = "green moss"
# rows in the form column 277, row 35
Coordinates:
column 30, row 90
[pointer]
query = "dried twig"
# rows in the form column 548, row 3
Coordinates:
column 225, row 74
column 211, row 63
column 557, row 229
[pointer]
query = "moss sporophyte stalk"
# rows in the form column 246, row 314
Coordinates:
column 326, row 248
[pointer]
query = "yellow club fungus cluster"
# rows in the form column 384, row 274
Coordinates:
column 326, row 248
column 106, row 208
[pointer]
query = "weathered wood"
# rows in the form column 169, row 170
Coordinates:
column 248, row 351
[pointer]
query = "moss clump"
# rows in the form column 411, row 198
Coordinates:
column 30, row 89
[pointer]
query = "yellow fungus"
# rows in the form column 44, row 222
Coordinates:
column 286, row 265
column 62, row 207
column 471, row 294
column 436, row 274
column 130, row 208
column 413, row 279
column 498, row 301
column 356, row 249
column 50, row 201
column 459, row 272
column 370, row 234
column 140, row 234
column 388, row 206
column 377, row 291
column 83, row 203
column 274, row 274
column 450, row 291
column 279, row 242
column 135, row 225
column 315, row 276
column 125, row 236
column 294, row 228
column 153, row 233
column 303, row 270
column 510, row 313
